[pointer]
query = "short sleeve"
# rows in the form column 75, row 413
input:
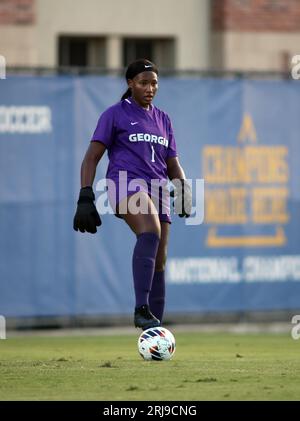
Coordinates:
column 172, row 149
column 104, row 131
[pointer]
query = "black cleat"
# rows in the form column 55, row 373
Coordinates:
column 144, row 318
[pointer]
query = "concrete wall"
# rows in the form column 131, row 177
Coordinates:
column 188, row 22
column 223, row 34
column 254, row 34
column 18, row 45
column 253, row 51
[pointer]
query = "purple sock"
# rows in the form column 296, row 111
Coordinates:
column 143, row 265
column 157, row 295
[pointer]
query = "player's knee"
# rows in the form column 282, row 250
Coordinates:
column 154, row 227
column 156, row 231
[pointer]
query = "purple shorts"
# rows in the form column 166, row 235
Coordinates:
column 117, row 190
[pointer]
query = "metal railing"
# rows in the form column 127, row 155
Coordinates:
column 190, row 73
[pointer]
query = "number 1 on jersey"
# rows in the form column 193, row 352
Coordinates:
column 152, row 159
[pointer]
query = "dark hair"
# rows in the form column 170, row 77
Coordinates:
column 127, row 94
column 135, row 68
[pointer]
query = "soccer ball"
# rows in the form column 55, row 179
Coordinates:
column 157, row 344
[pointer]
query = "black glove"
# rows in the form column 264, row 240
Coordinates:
column 182, row 198
column 86, row 217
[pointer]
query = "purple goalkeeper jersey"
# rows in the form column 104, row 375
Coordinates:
column 138, row 141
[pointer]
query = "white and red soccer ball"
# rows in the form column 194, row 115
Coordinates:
column 156, row 343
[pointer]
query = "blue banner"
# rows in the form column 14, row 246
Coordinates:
column 241, row 137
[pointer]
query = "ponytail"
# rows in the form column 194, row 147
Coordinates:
column 127, row 94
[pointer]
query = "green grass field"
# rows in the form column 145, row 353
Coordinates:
column 205, row 367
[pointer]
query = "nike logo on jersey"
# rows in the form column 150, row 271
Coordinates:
column 146, row 67
column 134, row 123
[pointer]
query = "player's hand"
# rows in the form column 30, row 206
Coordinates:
column 182, row 198
column 86, row 218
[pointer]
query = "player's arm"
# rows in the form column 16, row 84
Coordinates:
column 182, row 193
column 174, row 169
column 87, row 218
column 90, row 161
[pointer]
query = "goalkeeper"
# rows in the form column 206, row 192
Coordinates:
column 140, row 143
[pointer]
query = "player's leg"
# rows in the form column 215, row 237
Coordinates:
column 157, row 293
column 141, row 222
column 148, row 231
